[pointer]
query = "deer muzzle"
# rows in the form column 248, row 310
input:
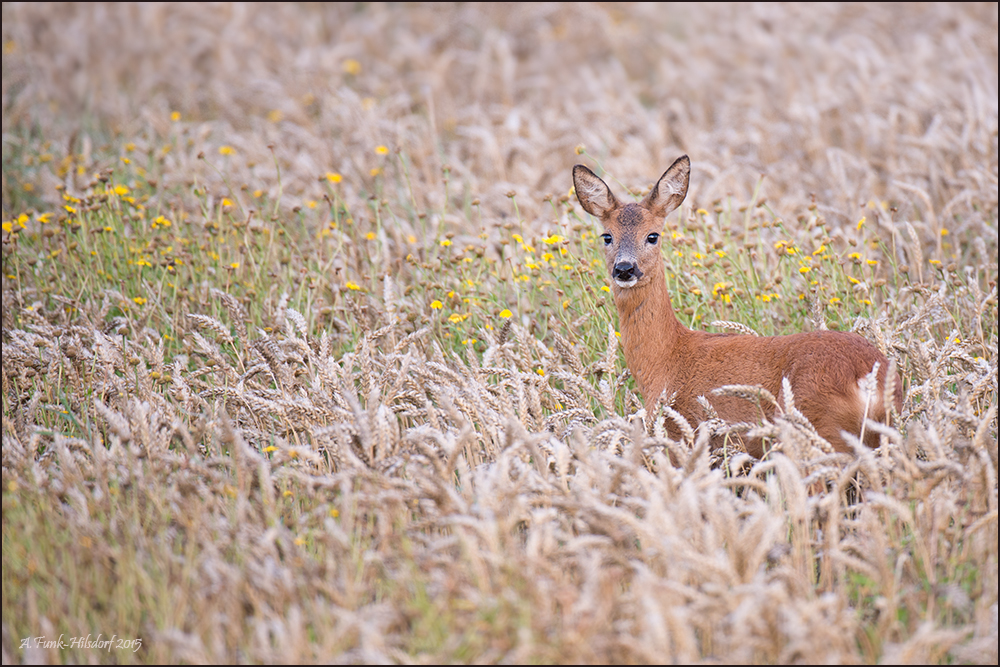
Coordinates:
column 626, row 274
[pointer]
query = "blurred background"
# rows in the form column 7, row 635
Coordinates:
column 838, row 101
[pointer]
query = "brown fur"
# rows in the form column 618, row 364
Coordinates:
column 822, row 367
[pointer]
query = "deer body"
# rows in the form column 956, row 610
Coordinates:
column 665, row 357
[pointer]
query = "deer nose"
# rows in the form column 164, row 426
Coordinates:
column 626, row 271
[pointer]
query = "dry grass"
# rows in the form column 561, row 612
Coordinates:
column 306, row 355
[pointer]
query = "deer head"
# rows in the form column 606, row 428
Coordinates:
column 632, row 231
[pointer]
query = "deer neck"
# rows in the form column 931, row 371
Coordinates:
column 649, row 332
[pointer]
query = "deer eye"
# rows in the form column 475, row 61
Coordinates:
column 607, row 239
column 652, row 238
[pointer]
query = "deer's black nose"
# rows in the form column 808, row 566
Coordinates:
column 626, row 271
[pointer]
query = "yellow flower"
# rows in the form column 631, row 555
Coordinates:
column 226, row 150
column 820, row 250
column 257, row 194
column 376, row 171
column 834, row 301
column 275, row 115
column 129, row 147
column 370, row 236
column 872, row 262
column 333, row 177
column 352, row 67
column 720, row 253
column 701, row 211
column 540, row 371
column 455, row 318
column 139, row 300
column 234, row 265
column 226, row 201
column 175, row 116
column 720, row 292
column 551, row 240
column 445, row 243
column 861, row 222
column 605, row 288
column 436, row 305
column 944, row 232
column 352, row 286
column 8, row 226
column 506, row 314
column 381, row 150
column 580, row 149
column 334, row 512
column 855, row 256
column 805, row 269
column 517, row 237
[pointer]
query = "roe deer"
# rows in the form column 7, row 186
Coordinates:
column 823, row 367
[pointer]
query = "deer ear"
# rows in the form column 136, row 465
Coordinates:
column 671, row 189
column 593, row 193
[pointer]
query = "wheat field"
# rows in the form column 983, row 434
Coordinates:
column 309, row 355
